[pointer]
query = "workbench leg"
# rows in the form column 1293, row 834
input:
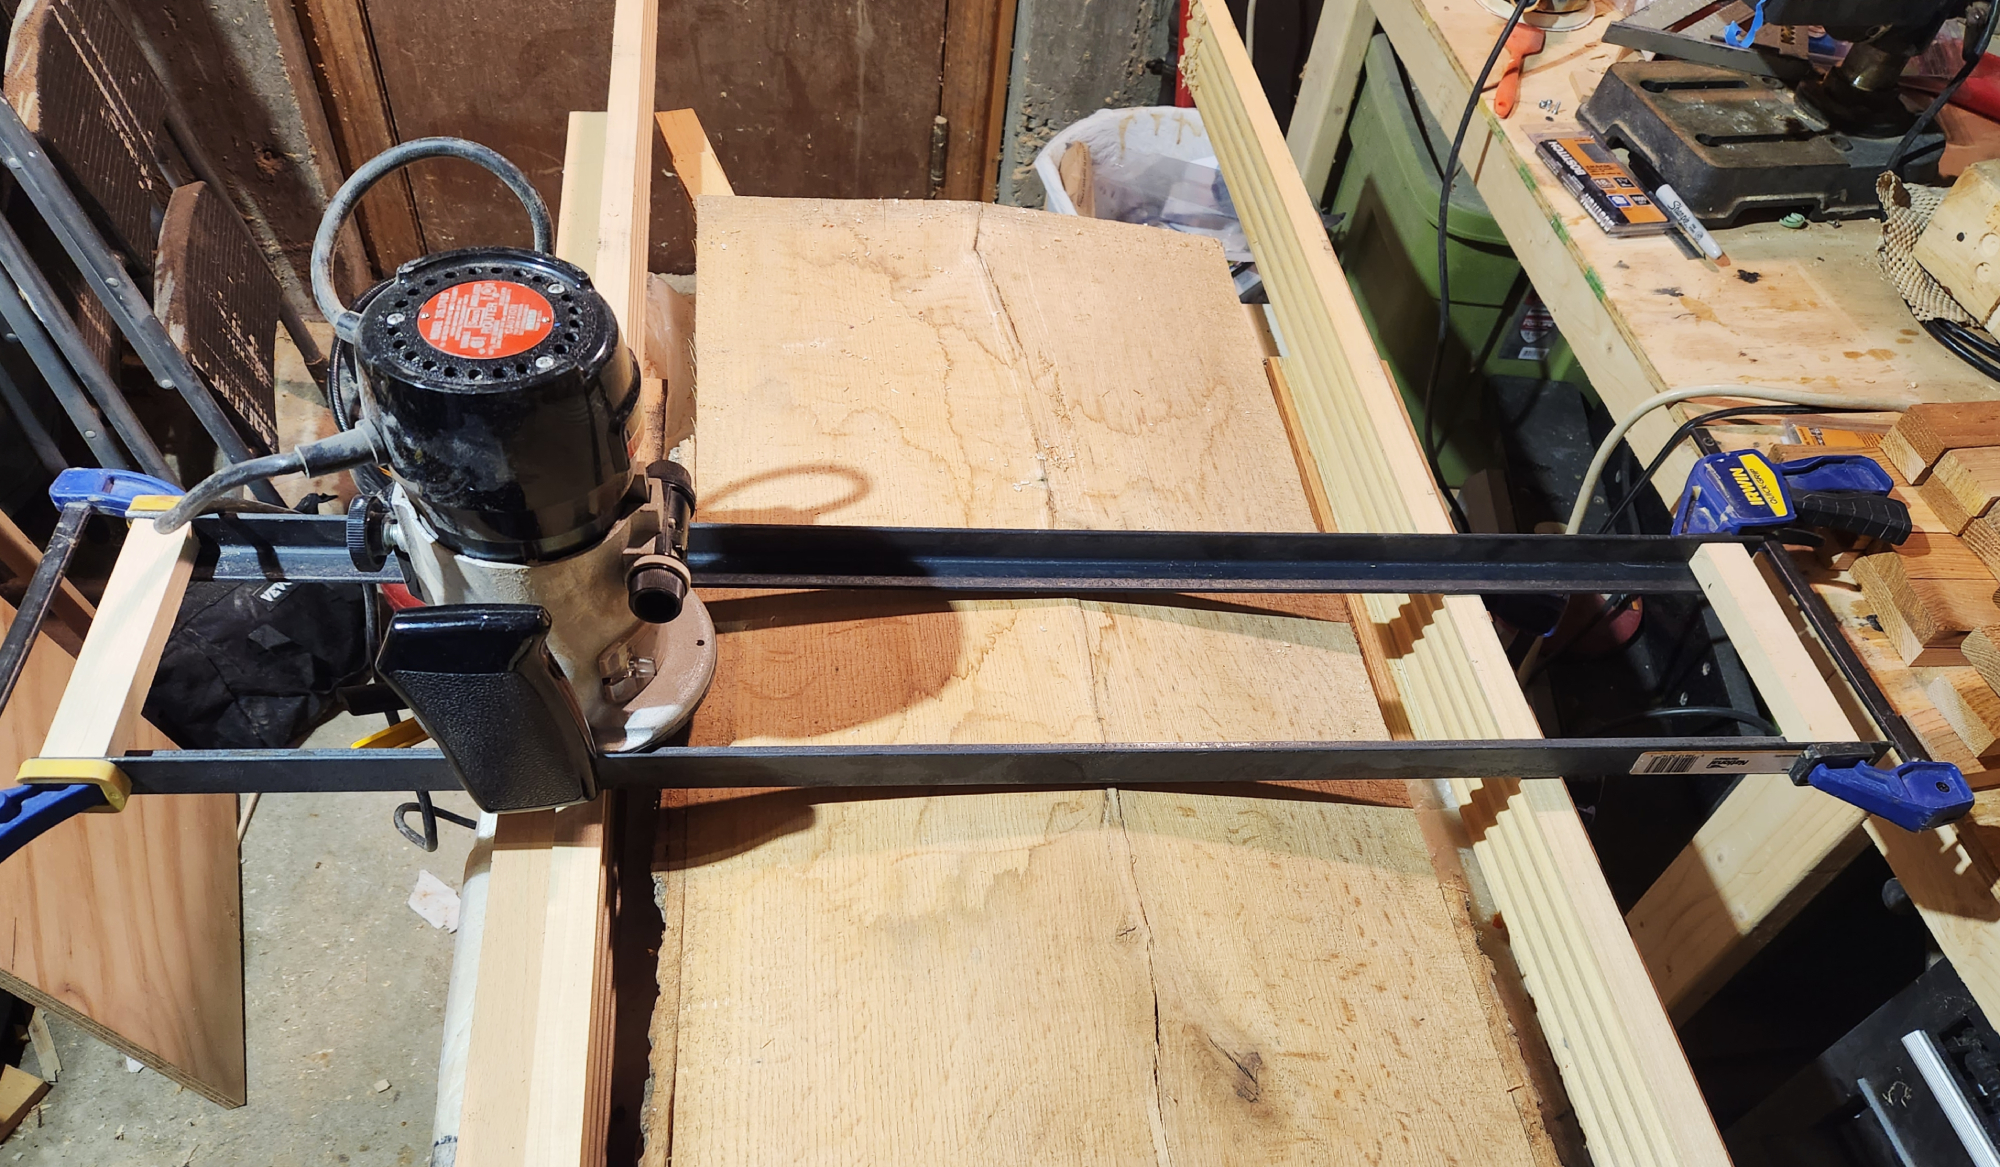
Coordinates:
column 1326, row 89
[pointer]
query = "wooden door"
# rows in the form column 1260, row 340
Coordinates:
column 831, row 99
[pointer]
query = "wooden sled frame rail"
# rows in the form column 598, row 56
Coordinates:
column 1621, row 1064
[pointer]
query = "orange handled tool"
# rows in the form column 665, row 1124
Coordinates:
column 1525, row 41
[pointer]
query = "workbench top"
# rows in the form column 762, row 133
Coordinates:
column 1807, row 309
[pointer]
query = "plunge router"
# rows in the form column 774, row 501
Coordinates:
column 489, row 408
column 1736, row 125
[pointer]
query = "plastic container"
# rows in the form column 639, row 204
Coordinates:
column 1150, row 165
column 1386, row 200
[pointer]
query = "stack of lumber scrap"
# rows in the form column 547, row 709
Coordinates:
column 1938, row 653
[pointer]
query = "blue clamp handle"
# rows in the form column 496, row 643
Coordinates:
column 1857, row 472
column 28, row 810
column 108, row 491
column 1916, row 796
column 1739, row 36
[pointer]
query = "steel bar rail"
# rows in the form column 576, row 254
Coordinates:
column 37, row 176
column 1010, row 764
column 309, row 548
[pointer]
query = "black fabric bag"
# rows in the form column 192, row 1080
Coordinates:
column 255, row 666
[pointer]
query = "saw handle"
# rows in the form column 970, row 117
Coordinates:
column 480, row 680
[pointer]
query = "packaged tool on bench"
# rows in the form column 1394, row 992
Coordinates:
column 1606, row 189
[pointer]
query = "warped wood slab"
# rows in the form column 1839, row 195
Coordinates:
column 1105, row 976
column 128, row 924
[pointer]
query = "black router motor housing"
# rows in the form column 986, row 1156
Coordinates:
column 505, row 398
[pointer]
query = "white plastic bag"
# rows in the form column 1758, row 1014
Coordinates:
column 1150, row 165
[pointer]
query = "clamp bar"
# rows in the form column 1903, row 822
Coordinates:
column 778, row 556
column 1118, row 764
column 313, row 548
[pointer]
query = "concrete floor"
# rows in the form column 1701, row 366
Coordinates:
column 345, row 989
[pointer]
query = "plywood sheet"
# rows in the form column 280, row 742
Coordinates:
column 1106, row 976
column 128, row 924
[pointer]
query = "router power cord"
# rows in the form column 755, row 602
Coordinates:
column 342, row 451
column 1448, row 176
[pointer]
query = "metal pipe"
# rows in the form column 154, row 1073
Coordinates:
column 31, row 168
column 38, row 434
column 56, row 372
column 31, row 286
column 42, row 585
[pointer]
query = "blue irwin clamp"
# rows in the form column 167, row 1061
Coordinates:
column 1916, row 796
column 108, row 492
column 1739, row 492
column 52, row 790
column 27, row 811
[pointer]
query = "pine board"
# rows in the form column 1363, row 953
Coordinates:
column 1108, row 976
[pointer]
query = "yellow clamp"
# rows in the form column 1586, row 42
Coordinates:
column 403, row 733
column 69, row 771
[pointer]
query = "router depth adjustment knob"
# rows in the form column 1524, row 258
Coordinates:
column 658, row 581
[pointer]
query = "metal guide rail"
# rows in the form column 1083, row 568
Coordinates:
column 313, row 548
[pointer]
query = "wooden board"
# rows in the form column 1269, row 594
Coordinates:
column 1281, row 979
column 1955, row 246
column 1924, row 432
column 128, row 924
column 978, row 50
column 1629, row 1085
column 69, row 612
column 1971, row 707
column 538, row 1056
column 829, row 100
column 219, row 302
column 342, row 49
column 1972, row 476
column 20, row 1091
column 1926, row 618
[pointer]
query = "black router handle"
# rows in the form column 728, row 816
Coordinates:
column 480, row 680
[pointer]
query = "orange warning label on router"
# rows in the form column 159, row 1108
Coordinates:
column 485, row 319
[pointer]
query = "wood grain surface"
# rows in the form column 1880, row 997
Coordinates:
column 219, row 302
column 128, row 924
column 1116, row 976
